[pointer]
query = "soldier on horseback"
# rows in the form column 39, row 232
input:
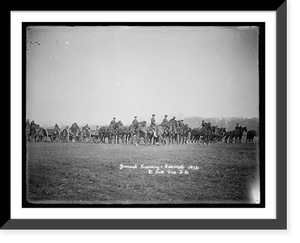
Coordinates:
column 165, row 120
column 135, row 124
column 135, row 121
column 203, row 124
column 153, row 124
column 32, row 130
column 32, row 127
column 181, row 123
column 113, row 122
column 32, row 124
column 237, row 127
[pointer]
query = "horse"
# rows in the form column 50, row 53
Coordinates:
column 195, row 135
column 220, row 132
column 122, row 132
column 198, row 134
column 112, row 131
column 167, row 132
column 126, row 133
column 159, row 136
column 239, row 134
column 186, row 132
column 229, row 135
column 175, row 131
column 250, row 136
column 102, row 133
column 180, row 131
column 141, row 131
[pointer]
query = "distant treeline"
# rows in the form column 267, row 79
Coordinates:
column 229, row 122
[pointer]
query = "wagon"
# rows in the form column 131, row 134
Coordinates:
column 85, row 135
column 95, row 136
column 43, row 134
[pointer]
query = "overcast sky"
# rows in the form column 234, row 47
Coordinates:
column 89, row 74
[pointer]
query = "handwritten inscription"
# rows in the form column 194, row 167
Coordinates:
column 165, row 169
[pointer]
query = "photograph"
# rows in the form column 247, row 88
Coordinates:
column 143, row 114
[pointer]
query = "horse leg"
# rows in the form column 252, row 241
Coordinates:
column 146, row 139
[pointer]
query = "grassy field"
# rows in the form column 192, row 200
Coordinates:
column 125, row 174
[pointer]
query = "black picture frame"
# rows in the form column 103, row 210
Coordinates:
column 280, row 222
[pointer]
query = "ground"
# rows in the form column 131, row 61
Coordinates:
column 88, row 173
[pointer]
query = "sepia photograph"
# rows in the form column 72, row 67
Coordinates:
column 144, row 115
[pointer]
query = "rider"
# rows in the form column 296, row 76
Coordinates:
column 32, row 128
column 165, row 120
column 208, row 127
column 32, row 124
column 181, row 123
column 237, row 127
column 135, row 121
column 203, row 124
column 113, row 122
column 153, row 124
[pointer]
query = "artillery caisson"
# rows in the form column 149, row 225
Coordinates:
column 41, row 134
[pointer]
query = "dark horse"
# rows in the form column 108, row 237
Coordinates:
column 229, row 135
column 122, row 132
column 239, row 134
column 250, row 136
column 175, row 133
column 112, row 132
column 186, row 133
column 165, row 132
column 103, row 133
column 200, row 134
column 141, row 131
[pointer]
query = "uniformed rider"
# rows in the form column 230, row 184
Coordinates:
column 113, row 122
column 153, row 124
column 203, row 124
column 135, row 121
column 165, row 120
column 237, row 127
column 181, row 123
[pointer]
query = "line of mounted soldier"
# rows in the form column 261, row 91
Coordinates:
column 168, row 132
